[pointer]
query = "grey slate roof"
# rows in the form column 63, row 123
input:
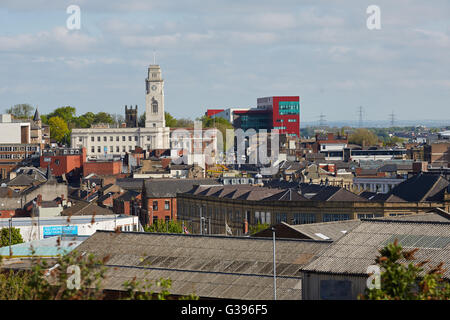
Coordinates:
column 421, row 187
column 209, row 266
column 355, row 251
column 332, row 193
column 168, row 188
column 82, row 208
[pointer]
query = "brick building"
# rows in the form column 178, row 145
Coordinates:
column 159, row 197
column 63, row 160
column 102, row 167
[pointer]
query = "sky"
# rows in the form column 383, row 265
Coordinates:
column 220, row 54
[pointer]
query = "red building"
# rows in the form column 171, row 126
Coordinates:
column 211, row 112
column 63, row 160
column 281, row 113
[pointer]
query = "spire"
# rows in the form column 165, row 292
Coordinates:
column 36, row 117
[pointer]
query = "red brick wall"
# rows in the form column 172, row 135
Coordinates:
column 102, row 168
column 161, row 213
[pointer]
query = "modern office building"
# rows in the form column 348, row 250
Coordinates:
column 282, row 113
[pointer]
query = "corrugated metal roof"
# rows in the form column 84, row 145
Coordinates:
column 234, row 267
column 353, row 253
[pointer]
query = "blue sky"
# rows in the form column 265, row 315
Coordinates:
column 228, row 53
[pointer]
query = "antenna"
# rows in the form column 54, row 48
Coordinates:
column 392, row 118
column 154, row 57
column 360, row 111
column 322, row 120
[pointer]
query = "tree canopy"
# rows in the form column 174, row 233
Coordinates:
column 407, row 281
column 21, row 111
column 16, row 237
column 363, row 137
column 58, row 129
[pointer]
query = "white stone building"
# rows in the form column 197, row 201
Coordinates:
column 101, row 142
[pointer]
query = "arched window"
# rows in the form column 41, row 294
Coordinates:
column 154, row 106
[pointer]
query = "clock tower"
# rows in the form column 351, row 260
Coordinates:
column 154, row 98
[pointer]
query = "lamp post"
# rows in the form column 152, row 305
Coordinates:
column 274, row 268
column 10, row 230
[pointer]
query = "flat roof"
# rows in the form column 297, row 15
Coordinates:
column 4, row 222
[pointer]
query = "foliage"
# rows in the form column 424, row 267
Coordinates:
column 170, row 121
column 16, row 237
column 58, row 128
column 141, row 121
column 52, row 281
column 21, row 111
column 258, row 227
column 66, row 113
column 363, row 137
column 103, row 117
column 45, row 283
column 165, row 227
column 222, row 125
column 401, row 281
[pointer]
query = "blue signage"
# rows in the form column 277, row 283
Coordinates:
column 60, row 231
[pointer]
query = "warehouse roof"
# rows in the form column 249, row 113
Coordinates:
column 209, row 266
column 357, row 250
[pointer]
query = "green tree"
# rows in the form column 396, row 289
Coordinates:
column 141, row 121
column 16, row 237
column 184, row 123
column 103, row 117
column 66, row 113
column 21, row 111
column 406, row 280
column 170, row 121
column 165, row 227
column 258, row 227
column 363, row 137
column 58, row 129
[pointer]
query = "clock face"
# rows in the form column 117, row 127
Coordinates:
column 153, row 87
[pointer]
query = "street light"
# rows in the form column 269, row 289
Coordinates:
column 274, row 267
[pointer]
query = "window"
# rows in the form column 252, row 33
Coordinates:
column 129, row 138
column 98, row 139
column 124, row 149
column 148, row 138
column 80, row 139
column 57, row 161
column 117, row 149
column 117, row 138
column 155, row 205
column 124, row 138
column 92, row 149
column 111, row 138
column 166, row 205
column 99, row 150
column 292, row 120
column 130, row 148
column 303, row 218
column 167, row 218
column 135, row 138
column 105, row 139
column 281, row 217
column 111, row 149
column 335, row 217
column 92, row 139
